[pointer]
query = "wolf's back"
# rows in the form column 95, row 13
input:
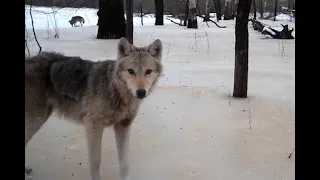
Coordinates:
column 51, row 72
column 37, row 68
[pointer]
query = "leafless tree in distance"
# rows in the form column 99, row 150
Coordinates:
column 129, row 24
column 241, row 49
column 192, row 17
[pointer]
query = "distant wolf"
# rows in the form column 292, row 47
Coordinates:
column 95, row 94
column 76, row 19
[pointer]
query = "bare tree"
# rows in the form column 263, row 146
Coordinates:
column 254, row 9
column 192, row 17
column 207, row 15
column 111, row 20
column 261, row 8
column 217, row 5
column 228, row 10
column 129, row 24
column 159, row 12
column 34, row 32
column 141, row 13
column 241, row 49
column 186, row 13
column 289, row 4
column 275, row 10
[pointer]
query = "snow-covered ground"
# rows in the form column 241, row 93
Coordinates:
column 48, row 18
column 190, row 127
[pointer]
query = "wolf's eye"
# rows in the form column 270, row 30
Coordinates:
column 148, row 71
column 130, row 71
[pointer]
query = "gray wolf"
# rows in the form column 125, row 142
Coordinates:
column 76, row 19
column 95, row 94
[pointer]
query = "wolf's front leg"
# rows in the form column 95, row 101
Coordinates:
column 122, row 132
column 94, row 139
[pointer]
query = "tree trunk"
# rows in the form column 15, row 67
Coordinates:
column 275, row 10
column 294, row 8
column 293, row 5
column 129, row 24
column 218, row 9
column 186, row 14
column 233, row 8
column 159, row 12
column 261, row 9
column 241, row 49
column 192, row 17
column 254, row 10
column 207, row 16
column 141, row 13
column 228, row 11
column 111, row 20
column 289, row 4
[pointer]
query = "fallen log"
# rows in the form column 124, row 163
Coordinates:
column 257, row 25
column 285, row 33
column 211, row 21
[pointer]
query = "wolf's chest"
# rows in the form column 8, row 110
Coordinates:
column 124, row 112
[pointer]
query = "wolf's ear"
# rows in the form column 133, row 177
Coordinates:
column 124, row 48
column 70, row 77
column 155, row 49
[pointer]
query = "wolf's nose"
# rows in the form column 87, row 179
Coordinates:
column 141, row 93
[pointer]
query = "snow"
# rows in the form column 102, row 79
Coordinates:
column 44, row 18
column 190, row 127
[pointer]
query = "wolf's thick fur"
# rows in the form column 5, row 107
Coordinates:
column 96, row 94
column 76, row 19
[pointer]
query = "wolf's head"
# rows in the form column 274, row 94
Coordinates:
column 139, row 67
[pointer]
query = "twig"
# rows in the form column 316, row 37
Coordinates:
column 229, row 96
column 25, row 39
column 291, row 153
column 168, row 49
column 208, row 44
column 26, row 44
column 34, row 33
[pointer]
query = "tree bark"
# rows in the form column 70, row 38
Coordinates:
column 111, row 20
column 141, row 13
column 159, row 12
column 192, row 18
column 218, row 9
column 207, row 16
column 228, row 11
column 186, row 14
column 129, row 24
column 275, row 10
column 261, row 9
column 241, row 49
column 289, row 4
column 254, row 10
column 233, row 8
